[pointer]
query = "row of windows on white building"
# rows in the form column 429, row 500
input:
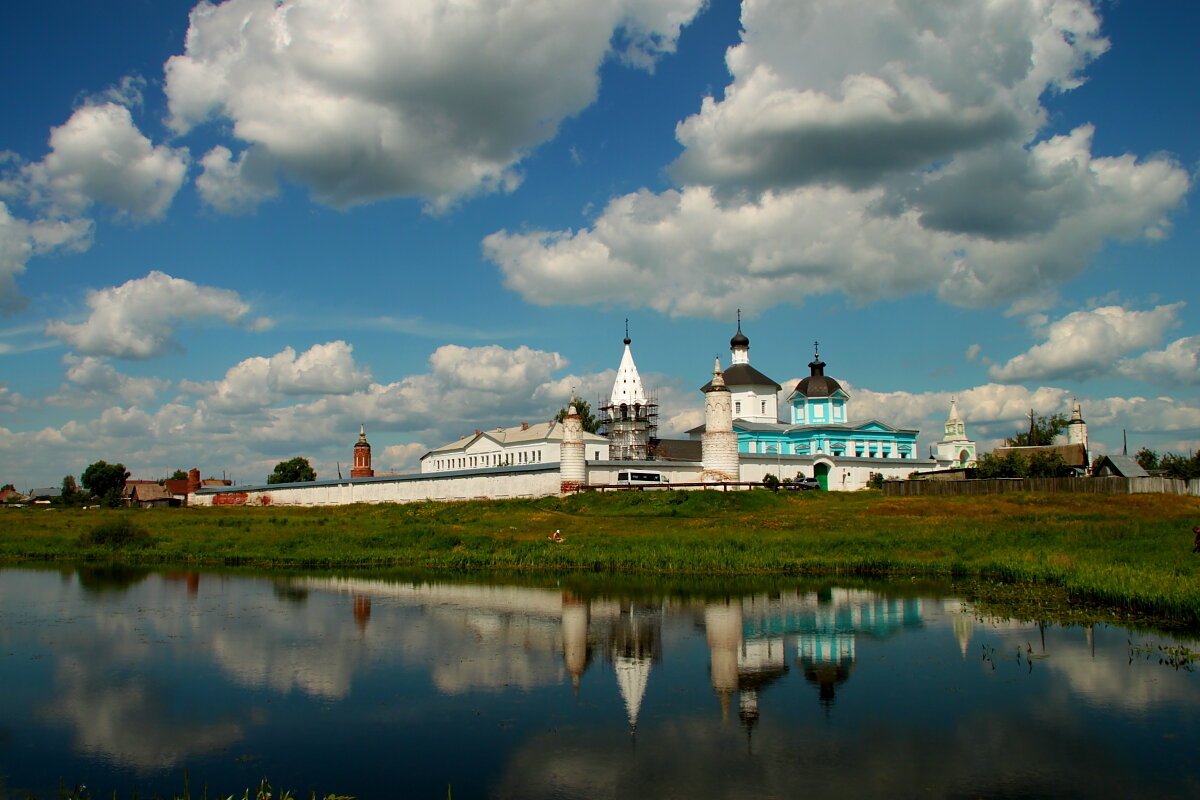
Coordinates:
column 859, row 448
column 491, row 460
column 499, row 459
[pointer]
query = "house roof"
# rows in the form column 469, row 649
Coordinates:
column 743, row 375
column 1123, row 466
column 817, row 384
column 1073, row 455
column 143, row 492
column 627, row 386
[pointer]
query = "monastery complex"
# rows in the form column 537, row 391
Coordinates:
column 745, row 437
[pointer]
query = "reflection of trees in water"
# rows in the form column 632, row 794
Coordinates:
column 109, row 577
column 286, row 590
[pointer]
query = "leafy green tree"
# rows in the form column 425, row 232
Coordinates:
column 8, row 487
column 1147, row 459
column 1042, row 430
column 71, row 494
column 771, row 481
column 1007, row 465
column 178, row 475
column 1046, row 465
column 105, row 481
column 1177, row 466
column 590, row 423
column 294, row 471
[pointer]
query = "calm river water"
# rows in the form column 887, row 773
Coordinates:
column 394, row 688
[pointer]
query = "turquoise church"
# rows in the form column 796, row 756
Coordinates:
column 813, row 431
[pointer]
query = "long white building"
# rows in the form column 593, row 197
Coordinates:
column 522, row 445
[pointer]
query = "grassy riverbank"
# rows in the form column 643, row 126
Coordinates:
column 1127, row 551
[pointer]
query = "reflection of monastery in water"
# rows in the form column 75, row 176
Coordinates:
column 527, row 637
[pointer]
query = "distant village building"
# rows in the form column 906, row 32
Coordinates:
column 147, row 494
column 1074, row 456
column 1074, row 450
column 1119, row 466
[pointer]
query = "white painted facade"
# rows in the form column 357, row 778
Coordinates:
column 841, row 474
column 522, row 445
column 753, row 396
column 955, row 450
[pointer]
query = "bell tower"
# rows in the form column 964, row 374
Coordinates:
column 362, row 456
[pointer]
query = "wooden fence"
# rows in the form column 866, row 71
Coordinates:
column 998, row 485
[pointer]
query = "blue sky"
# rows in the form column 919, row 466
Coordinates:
column 230, row 234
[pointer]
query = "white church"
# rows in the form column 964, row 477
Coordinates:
column 743, row 439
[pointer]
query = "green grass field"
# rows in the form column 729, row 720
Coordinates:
column 1128, row 552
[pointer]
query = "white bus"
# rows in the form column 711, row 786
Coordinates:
column 642, row 479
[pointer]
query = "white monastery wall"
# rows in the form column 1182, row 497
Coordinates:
column 529, row 482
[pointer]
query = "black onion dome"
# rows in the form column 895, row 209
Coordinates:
column 818, row 384
column 739, row 339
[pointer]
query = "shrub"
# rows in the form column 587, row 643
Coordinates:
column 117, row 534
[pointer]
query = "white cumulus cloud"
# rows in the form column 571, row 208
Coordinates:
column 1176, row 365
column 874, row 148
column 138, row 319
column 492, row 367
column 1088, row 344
column 234, row 186
column 256, row 383
column 99, row 155
column 92, row 381
column 851, row 90
column 384, row 98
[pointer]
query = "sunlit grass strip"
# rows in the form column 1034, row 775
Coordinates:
column 1127, row 551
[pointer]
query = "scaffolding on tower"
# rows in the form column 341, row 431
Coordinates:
column 629, row 428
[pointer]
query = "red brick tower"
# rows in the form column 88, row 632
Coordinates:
column 362, row 456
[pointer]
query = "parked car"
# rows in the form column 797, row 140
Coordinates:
column 804, row 483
